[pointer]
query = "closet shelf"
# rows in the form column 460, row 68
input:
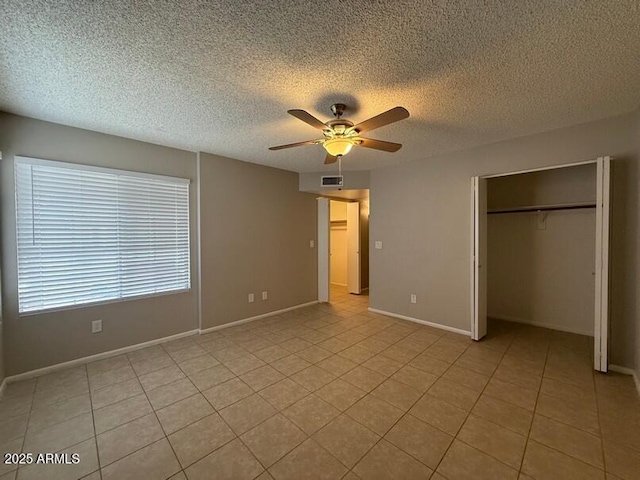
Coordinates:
column 543, row 208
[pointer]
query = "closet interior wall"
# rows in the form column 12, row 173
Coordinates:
column 541, row 264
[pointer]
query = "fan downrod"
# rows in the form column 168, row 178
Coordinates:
column 338, row 109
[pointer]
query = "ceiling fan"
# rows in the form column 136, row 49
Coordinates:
column 341, row 135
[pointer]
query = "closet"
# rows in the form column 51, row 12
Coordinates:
column 540, row 250
column 541, row 230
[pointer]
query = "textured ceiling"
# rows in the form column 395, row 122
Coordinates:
column 219, row 76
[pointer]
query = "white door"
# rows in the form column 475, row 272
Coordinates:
column 601, row 331
column 479, row 258
column 353, row 247
column 323, row 249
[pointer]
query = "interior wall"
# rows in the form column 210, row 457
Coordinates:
column 255, row 229
column 38, row 340
column 422, row 214
column 543, row 277
column 547, row 187
column 338, row 243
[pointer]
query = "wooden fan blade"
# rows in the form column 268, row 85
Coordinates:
column 290, row 145
column 330, row 159
column 307, row 118
column 390, row 116
column 380, row 145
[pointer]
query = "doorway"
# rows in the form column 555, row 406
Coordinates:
column 338, row 245
column 343, row 246
column 556, row 278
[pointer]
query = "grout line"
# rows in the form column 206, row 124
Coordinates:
column 535, row 407
column 26, row 427
column 604, row 458
column 166, row 437
column 455, row 437
column 93, row 421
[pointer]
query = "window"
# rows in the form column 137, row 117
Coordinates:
column 88, row 234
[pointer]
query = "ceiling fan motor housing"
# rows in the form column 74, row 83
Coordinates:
column 338, row 109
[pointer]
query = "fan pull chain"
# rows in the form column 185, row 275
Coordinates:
column 340, row 165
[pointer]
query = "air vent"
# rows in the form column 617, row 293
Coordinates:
column 331, row 181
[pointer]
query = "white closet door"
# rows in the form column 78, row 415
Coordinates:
column 479, row 258
column 323, row 249
column 353, row 247
column 603, row 200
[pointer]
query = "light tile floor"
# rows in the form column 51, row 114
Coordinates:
column 330, row 392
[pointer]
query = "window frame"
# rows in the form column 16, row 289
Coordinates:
column 21, row 159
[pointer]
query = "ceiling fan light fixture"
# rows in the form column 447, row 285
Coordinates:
column 338, row 146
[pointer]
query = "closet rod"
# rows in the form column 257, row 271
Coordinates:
column 544, row 208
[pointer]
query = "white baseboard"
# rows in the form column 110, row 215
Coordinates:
column 627, row 371
column 542, row 325
column 257, row 317
column 98, row 356
column 423, row 322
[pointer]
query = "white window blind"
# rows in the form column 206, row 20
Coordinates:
column 88, row 234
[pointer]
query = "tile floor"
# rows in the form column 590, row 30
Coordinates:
column 333, row 392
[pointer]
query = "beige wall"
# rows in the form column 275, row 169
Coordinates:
column 421, row 211
column 40, row 340
column 543, row 277
column 548, row 187
column 255, row 230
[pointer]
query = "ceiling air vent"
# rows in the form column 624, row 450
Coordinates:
column 331, row 181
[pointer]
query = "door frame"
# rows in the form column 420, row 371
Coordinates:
column 323, row 243
column 603, row 209
column 354, row 269
column 603, row 231
column 478, row 257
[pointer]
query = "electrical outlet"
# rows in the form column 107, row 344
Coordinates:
column 414, row 298
column 312, row 244
column 264, row 295
column 378, row 245
column 251, row 298
column 96, row 326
